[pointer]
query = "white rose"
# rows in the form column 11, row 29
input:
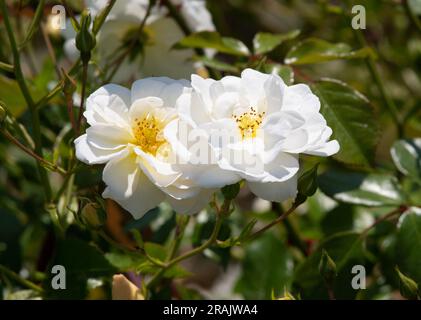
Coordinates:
column 267, row 124
column 127, row 134
column 161, row 33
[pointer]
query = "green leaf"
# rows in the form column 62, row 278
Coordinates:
column 407, row 286
column 156, row 251
column 217, row 65
column 238, row 240
column 213, row 40
column 408, row 253
column 314, row 50
column 231, row 191
column 346, row 249
column 12, row 96
column 268, row 252
column 285, row 72
column 265, row 42
column 10, row 232
column 307, row 182
column 352, row 120
column 373, row 190
column 327, row 267
column 124, row 261
column 406, row 155
column 81, row 261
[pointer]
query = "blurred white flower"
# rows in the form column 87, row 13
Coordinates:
column 154, row 55
column 126, row 133
column 253, row 128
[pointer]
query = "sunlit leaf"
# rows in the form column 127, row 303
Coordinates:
column 269, row 253
column 347, row 250
column 314, row 50
column 213, row 40
column 406, row 155
column 374, row 190
column 352, row 120
column 408, row 253
column 265, row 42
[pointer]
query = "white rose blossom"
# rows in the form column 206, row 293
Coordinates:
column 251, row 128
column 160, row 33
column 126, row 134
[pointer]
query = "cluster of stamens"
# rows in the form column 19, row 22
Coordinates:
column 249, row 122
column 148, row 134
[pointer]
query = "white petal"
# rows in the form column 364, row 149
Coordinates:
column 225, row 104
column 296, row 141
column 108, row 137
column 182, row 189
column 145, row 197
column 142, row 106
column 325, row 150
column 155, row 87
column 282, row 168
column 160, row 173
column 91, row 155
column 299, row 97
column 215, row 177
column 173, row 91
column 231, row 83
column 191, row 205
column 274, row 89
column 202, row 87
column 108, row 105
column 275, row 191
column 121, row 176
column 197, row 16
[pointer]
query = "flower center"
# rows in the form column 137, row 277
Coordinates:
column 249, row 122
column 148, row 133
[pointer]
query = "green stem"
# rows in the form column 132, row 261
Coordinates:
column 271, row 224
column 82, row 96
column 293, row 235
column 102, row 17
column 179, row 233
column 28, row 151
column 212, row 239
column 6, row 67
column 412, row 16
column 372, row 67
column 28, row 98
column 34, row 24
column 385, row 217
column 26, row 283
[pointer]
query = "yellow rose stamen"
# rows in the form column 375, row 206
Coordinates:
column 148, row 133
column 249, row 122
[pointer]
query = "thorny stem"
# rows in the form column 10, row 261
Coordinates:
column 28, row 98
column 271, row 224
column 27, row 150
column 26, row 283
column 395, row 212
